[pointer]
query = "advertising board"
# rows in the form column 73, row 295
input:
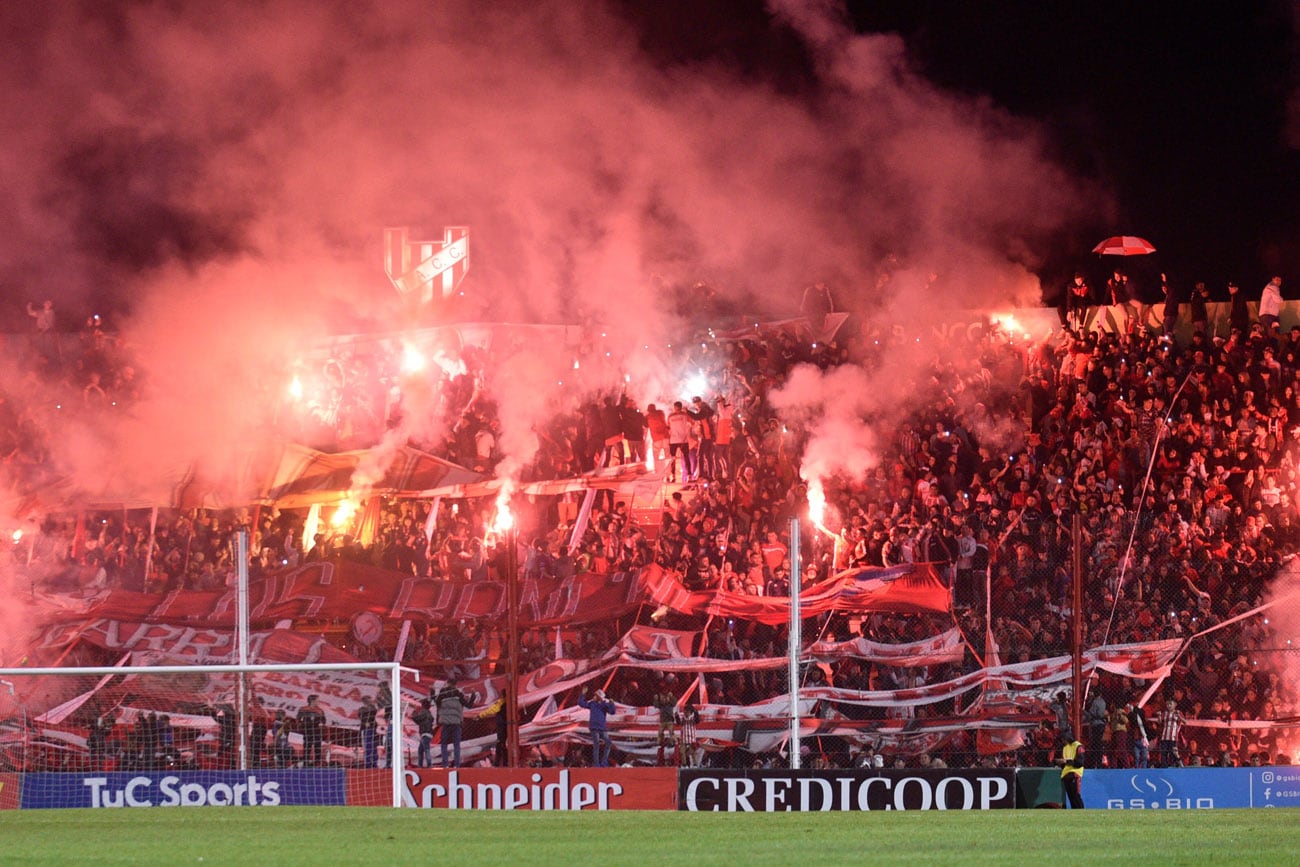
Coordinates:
column 323, row 787
column 1191, row 788
column 542, row 788
column 783, row 791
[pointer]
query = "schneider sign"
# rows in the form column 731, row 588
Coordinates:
column 542, row 789
column 781, row 791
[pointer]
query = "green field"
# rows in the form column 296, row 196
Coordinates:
column 341, row 835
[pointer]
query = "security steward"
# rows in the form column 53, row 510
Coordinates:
column 1071, row 769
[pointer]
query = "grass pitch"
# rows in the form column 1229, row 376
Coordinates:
column 342, row 835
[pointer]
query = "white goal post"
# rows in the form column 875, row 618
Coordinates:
column 178, row 735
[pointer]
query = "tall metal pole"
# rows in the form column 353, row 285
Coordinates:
column 795, row 642
column 512, row 649
column 988, row 612
column 1076, row 632
column 396, row 742
column 241, row 643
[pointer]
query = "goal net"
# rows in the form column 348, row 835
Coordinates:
column 205, row 735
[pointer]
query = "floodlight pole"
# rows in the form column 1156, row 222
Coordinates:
column 241, row 644
column 795, row 641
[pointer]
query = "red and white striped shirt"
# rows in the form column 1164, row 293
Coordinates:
column 1171, row 723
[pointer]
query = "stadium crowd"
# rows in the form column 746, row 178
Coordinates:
column 1177, row 449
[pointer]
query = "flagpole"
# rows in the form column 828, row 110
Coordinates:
column 988, row 609
column 512, row 651
column 795, row 640
column 1076, row 632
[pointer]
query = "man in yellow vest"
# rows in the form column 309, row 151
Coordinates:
column 1071, row 769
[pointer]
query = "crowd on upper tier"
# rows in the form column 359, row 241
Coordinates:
column 1177, row 449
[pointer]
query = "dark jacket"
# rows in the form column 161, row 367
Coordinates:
column 1197, row 306
column 600, row 710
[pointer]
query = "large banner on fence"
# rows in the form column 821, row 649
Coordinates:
column 912, row 589
column 786, row 791
column 1191, row 788
column 542, row 788
column 339, row 590
column 179, row 644
column 314, row 787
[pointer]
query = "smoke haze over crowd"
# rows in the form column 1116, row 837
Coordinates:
column 215, row 179
column 218, row 177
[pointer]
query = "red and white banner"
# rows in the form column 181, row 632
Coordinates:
column 340, row 590
column 663, row 650
column 650, row 646
column 912, row 589
column 1148, row 660
column 947, row 647
column 758, row 727
column 151, row 643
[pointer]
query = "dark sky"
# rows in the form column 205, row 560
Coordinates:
column 1180, row 112
column 714, row 140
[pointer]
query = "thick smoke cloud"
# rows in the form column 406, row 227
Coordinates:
column 837, row 408
column 224, row 171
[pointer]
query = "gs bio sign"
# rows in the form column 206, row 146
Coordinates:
column 783, row 791
column 1192, row 788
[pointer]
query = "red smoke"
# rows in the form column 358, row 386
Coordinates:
column 224, row 171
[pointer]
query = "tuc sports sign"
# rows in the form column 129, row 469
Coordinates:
column 321, row 787
column 783, row 791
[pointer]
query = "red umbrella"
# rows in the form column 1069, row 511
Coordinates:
column 1124, row 245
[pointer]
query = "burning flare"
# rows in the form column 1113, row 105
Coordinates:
column 817, row 503
column 1007, row 322
column 504, row 520
column 343, row 514
column 696, row 384
column 413, row 361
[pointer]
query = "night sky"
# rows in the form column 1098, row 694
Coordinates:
column 1180, row 113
